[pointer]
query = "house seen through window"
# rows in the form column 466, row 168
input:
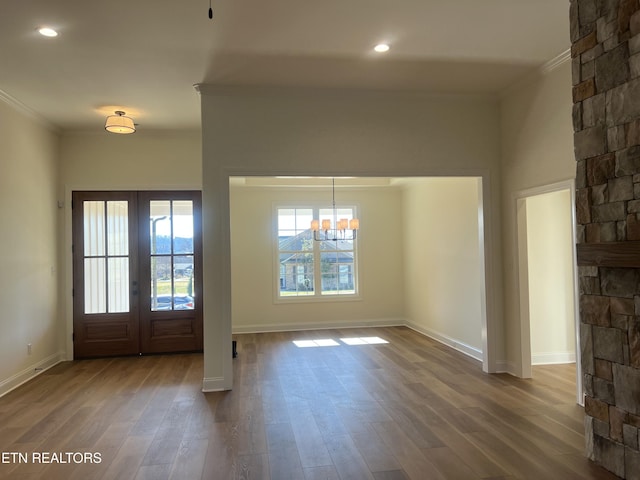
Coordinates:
column 311, row 268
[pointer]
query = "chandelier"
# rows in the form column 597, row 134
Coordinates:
column 343, row 229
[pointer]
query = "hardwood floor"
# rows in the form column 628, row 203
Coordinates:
column 408, row 409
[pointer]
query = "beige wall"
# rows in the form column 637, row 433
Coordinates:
column 145, row 160
column 443, row 274
column 550, row 271
column 29, row 217
column 537, row 150
column 254, row 273
column 308, row 132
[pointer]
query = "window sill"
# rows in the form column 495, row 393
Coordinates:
column 317, row 299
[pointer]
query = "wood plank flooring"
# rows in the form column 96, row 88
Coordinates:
column 407, row 409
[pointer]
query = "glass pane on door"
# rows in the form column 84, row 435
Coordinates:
column 94, row 285
column 94, row 228
column 172, row 255
column 118, row 287
column 106, row 256
column 118, row 228
column 183, row 226
column 160, row 227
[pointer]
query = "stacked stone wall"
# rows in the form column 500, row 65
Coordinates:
column 605, row 36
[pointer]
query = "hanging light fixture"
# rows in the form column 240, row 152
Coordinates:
column 119, row 123
column 343, row 229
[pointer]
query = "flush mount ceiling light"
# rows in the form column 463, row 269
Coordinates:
column 119, row 123
column 47, row 32
column 381, row 48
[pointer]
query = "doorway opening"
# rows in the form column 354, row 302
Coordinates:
column 547, row 277
column 137, row 273
column 418, row 259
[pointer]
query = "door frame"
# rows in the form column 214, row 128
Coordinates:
column 522, row 275
column 66, row 298
column 147, row 331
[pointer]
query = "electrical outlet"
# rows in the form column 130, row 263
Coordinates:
column 28, row 349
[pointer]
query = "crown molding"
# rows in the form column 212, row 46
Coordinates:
column 537, row 73
column 25, row 110
column 556, row 61
column 229, row 90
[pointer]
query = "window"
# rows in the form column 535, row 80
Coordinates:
column 310, row 268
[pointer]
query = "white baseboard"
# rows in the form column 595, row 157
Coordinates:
column 505, row 367
column 462, row 347
column 295, row 327
column 552, row 358
column 213, row 384
column 30, row 372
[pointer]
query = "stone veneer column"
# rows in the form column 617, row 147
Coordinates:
column 605, row 36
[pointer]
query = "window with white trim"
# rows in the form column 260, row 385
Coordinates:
column 311, row 268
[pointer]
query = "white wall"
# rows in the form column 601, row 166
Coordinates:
column 336, row 133
column 537, row 150
column 160, row 160
column 550, row 269
column 443, row 276
column 28, row 247
column 254, row 275
column 144, row 160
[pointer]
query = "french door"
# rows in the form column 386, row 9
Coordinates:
column 137, row 276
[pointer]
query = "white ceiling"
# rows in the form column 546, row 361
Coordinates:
column 144, row 56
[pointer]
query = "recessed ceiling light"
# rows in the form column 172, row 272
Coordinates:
column 47, row 32
column 381, row 48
